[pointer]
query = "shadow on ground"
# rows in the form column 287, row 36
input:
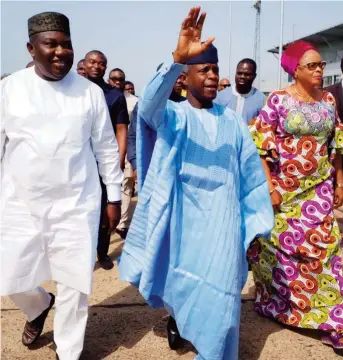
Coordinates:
column 122, row 320
column 254, row 332
column 119, row 321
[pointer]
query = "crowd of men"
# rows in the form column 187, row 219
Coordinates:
column 61, row 132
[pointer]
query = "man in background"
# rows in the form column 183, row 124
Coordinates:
column 129, row 87
column 81, row 68
column 178, row 88
column 95, row 64
column 337, row 91
column 131, row 99
column 223, row 84
column 242, row 97
column 117, row 79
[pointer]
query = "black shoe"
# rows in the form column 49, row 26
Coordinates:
column 105, row 262
column 339, row 352
column 34, row 328
column 175, row 341
column 122, row 233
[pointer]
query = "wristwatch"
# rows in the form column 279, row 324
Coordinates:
column 117, row 203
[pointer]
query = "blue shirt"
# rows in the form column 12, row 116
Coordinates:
column 248, row 105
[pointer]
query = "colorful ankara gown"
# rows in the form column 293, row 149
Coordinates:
column 298, row 274
column 199, row 208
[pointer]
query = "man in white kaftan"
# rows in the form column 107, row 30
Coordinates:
column 55, row 129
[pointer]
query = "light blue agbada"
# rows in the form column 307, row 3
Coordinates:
column 253, row 102
column 201, row 203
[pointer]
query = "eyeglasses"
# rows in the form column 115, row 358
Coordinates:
column 114, row 79
column 313, row 65
column 226, row 85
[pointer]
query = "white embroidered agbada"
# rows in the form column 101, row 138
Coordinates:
column 53, row 133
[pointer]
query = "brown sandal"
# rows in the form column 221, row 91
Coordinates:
column 34, row 328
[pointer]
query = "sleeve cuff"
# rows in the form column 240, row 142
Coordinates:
column 113, row 192
column 169, row 65
column 133, row 164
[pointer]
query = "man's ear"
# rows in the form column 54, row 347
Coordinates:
column 185, row 80
column 30, row 49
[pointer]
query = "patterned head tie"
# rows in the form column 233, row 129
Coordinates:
column 292, row 55
column 48, row 21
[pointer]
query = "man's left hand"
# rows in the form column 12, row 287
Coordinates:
column 338, row 199
column 113, row 213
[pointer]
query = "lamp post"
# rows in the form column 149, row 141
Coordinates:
column 279, row 82
column 230, row 27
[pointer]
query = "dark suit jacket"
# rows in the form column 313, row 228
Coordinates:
column 337, row 91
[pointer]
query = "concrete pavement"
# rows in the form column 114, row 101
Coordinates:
column 122, row 327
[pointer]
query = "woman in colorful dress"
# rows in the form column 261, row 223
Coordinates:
column 298, row 272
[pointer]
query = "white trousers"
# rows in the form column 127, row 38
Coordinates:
column 70, row 316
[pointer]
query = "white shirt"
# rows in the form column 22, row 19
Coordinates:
column 131, row 101
column 240, row 99
column 55, row 136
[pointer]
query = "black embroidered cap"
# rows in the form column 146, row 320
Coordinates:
column 48, row 21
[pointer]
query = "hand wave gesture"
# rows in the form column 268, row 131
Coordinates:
column 189, row 43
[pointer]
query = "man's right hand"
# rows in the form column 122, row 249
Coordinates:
column 189, row 43
column 122, row 164
column 276, row 199
column 113, row 214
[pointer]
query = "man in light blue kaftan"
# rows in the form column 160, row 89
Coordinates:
column 200, row 194
column 242, row 97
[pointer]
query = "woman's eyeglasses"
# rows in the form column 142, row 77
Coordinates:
column 313, row 65
column 226, row 85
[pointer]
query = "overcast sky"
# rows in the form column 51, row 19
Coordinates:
column 137, row 36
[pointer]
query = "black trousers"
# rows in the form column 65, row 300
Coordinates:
column 103, row 235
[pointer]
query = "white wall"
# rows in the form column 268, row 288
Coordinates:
column 333, row 52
